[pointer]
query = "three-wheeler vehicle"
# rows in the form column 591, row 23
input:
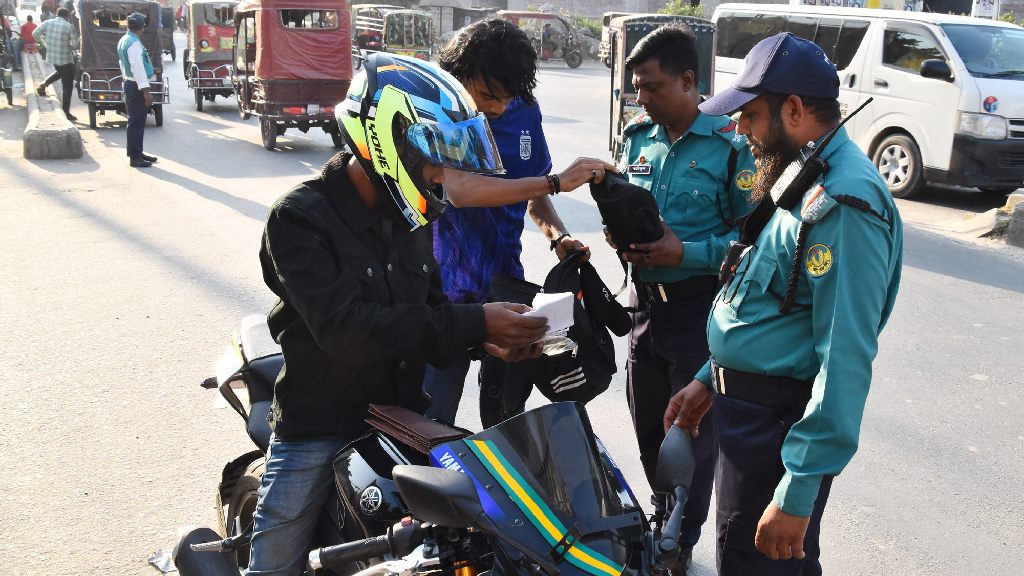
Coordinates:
column 604, row 52
column 554, row 39
column 292, row 64
column 102, row 24
column 385, row 28
column 624, row 33
column 208, row 52
column 167, row 31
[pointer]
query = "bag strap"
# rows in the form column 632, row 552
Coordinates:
column 733, row 155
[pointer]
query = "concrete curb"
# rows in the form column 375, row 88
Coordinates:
column 48, row 135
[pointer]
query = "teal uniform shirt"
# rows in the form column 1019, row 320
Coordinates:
column 849, row 272
column 691, row 182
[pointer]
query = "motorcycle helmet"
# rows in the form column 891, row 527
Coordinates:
column 400, row 114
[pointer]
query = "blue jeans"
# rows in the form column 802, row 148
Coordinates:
column 298, row 480
column 445, row 389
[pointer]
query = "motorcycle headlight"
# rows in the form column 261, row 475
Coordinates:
column 985, row 126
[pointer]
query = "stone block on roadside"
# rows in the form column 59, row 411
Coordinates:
column 1014, row 199
column 1015, row 231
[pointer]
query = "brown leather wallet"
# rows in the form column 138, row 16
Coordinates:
column 412, row 429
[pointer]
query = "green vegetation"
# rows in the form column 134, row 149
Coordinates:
column 683, row 8
column 1008, row 17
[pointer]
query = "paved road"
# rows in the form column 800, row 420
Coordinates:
column 120, row 288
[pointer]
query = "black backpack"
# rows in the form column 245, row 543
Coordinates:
column 581, row 374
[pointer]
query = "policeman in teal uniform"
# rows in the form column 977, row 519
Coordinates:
column 794, row 330
column 700, row 171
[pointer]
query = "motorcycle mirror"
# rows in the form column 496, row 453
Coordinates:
column 675, row 462
column 438, row 496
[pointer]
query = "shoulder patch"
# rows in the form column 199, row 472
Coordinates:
column 641, row 121
column 726, row 129
column 745, row 180
column 819, row 260
column 729, row 127
column 816, row 203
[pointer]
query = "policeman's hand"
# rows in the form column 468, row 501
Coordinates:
column 515, row 354
column 780, row 536
column 508, row 328
column 688, row 406
column 666, row 251
column 582, row 171
column 149, row 98
column 570, row 244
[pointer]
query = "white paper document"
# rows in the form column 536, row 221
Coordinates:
column 557, row 308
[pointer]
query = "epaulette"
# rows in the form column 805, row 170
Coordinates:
column 641, row 121
column 725, row 128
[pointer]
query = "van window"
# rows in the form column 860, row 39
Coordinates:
column 988, row 51
column 839, row 38
column 907, row 46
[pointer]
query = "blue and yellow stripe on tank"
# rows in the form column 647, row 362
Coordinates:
column 538, row 512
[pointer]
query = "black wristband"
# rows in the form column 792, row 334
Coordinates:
column 554, row 243
column 554, row 185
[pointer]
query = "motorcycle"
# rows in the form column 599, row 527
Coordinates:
column 537, row 495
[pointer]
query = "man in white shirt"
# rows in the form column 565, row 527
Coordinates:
column 137, row 70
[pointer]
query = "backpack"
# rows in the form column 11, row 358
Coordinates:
column 581, row 374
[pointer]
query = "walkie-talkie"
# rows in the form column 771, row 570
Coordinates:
column 802, row 172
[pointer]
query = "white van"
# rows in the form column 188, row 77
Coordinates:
column 948, row 90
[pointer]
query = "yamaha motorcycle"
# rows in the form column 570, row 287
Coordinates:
column 537, row 495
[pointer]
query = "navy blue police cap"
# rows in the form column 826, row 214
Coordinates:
column 136, row 20
column 783, row 64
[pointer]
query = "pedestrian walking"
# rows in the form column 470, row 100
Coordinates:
column 701, row 173
column 60, row 40
column 137, row 71
column 794, row 330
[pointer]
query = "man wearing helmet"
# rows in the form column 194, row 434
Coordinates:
column 497, row 64
column 361, row 310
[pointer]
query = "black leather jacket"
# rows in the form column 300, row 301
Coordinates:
column 361, row 310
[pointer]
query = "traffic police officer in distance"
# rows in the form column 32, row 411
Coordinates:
column 700, row 171
column 795, row 329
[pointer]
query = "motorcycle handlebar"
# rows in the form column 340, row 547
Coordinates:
column 348, row 552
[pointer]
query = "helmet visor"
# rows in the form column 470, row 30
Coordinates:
column 466, row 145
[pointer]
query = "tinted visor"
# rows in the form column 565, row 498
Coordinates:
column 466, row 145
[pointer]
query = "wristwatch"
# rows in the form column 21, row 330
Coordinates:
column 554, row 243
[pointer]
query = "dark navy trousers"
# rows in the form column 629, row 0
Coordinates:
column 135, row 103
column 750, row 466
column 667, row 347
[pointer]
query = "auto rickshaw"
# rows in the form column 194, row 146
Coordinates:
column 167, row 31
column 605, row 51
column 292, row 64
column 383, row 28
column 103, row 23
column 207, row 57
column 554, row 39
column 624, row 33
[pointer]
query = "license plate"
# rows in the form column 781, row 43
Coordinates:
column 226, row 81
column 313, row 109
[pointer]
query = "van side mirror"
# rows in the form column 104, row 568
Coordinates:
column 937, row 69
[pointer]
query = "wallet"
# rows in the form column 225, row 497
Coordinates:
column 412, row 429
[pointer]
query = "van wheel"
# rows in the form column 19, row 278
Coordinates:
column 898, row 160
column 242, row 505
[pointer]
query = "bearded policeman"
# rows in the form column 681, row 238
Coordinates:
column 795, row 329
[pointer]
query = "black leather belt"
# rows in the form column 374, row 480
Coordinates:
column 757, row 388
column 650, row 292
